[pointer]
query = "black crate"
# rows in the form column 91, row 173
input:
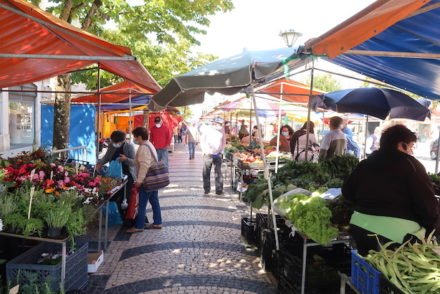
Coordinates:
column 263, row 222
column 248, row 233
column 25, row 270
column 268, row 255
column 386, row 287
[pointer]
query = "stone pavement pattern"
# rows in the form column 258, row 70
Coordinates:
column 197, row 251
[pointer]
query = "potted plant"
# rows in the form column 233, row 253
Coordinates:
column 56, row 219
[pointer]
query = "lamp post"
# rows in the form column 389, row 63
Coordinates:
column 290, row 36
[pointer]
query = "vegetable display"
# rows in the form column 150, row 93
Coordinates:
column 310, row 215
column 413, row 268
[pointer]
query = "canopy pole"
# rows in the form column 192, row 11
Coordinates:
column 438, row 150
column 279, row 129
column 266, row 172
column 98, row 137
column 250, row 123
column 366, row 137
column 309, row 109
column 130, row 123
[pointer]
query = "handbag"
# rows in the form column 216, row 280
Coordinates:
column 157, row 176
column 115, row 169
column 114, row 217
column 133, row 204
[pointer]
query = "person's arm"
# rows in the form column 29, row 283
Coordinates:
column 108, row 155
column 129, row 153
column 273, row 141
column 425, row 205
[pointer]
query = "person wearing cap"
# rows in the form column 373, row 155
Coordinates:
column 160, row 137
column 212, row 142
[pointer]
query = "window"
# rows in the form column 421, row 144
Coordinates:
column 22, row 116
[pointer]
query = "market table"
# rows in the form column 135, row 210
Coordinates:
column 106, row 202
column 48, row 240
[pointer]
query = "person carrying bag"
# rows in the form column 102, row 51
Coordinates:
column 145, row 159
column 298, row 143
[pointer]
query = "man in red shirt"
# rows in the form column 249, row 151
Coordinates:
column 160, row 137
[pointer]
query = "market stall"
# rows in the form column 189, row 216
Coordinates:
column 52, row 201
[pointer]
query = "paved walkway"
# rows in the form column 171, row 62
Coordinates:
column 197, row 251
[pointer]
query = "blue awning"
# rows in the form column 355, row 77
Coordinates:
column 124, row 105
column 419, row 33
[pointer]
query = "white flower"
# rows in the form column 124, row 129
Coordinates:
column 1, row 225
column 87, row 201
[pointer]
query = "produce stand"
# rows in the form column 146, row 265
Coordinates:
column 105, row 203
column 342, row 239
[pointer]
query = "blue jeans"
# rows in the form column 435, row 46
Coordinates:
column 144, row 197
column 162, row 155
column 191, row 149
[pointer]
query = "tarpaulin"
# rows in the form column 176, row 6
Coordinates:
column 362, row 26
column 115, row 93
column 125, row 104
column 81, row 133
column 387, row 45
column 26, row 29
column 170, row 120
column 289, row 88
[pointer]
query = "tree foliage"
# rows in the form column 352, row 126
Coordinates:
column 161, row 33
column 325, row 82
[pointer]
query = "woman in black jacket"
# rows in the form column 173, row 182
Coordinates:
column 392, row 194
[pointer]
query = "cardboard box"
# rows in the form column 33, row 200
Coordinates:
column 94, row 261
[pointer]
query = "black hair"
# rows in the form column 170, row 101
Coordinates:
column 287, row 127
column 141, row 132
column 395, row 134
column 336, row 122
column 117, row 136
column 311, row 127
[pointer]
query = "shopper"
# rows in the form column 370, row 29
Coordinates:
column 372, row 142
column 285, row 135
column 243, row 132
column 298, row 143
column 334, row 143
column 213, row 141
column 352, row 146
column 392, row 194
column 160, row 137
column 118, row 150
column 191, row 139
column 145, row 157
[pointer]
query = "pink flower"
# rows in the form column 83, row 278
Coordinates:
column 36, row 177
column 60, row 184
column 42, row 174
column 52, row 165
column 60, row 169
column 67, row 180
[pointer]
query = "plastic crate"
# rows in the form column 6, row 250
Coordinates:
column 386, row 287
column 248, row 233
column 25, row 265
column 364, row 276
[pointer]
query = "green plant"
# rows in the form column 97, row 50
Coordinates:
column 15, row 222
column 59, row 215
column 76, row 224
column 34, row 226
column 7, row 205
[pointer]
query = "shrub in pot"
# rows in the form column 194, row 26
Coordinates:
column 57, row 218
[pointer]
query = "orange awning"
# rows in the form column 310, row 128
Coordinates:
column 362, row 26
column 115, row 93
column 289, row 87
column 26, row 29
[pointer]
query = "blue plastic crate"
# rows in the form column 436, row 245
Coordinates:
column 25, row 270
column 364, row 276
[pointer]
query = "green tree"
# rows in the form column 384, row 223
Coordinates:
column 325, row 82
column 161, row 33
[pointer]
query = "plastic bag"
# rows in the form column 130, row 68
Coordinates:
column 133, row 204
column 114, row 217
column 115, row 169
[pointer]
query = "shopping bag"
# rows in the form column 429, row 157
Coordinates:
column 133, row 204
column 157, row 176
column 115, row 169
column 114, row 217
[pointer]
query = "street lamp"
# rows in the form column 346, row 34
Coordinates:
column 290, row 37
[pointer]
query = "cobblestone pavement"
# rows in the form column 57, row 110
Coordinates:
column 197, row 251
